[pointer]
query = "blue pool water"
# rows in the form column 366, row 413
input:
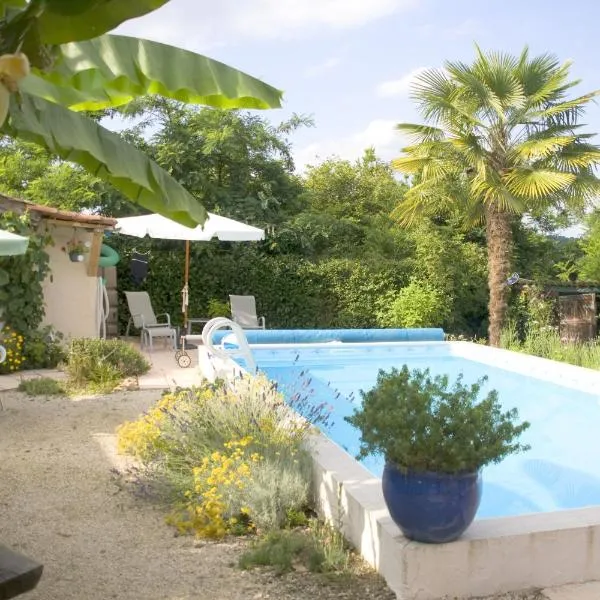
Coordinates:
column 562, row 469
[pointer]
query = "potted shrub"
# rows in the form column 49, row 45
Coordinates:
column 435, row 438
column 76, row 250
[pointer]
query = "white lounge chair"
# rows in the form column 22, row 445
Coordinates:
column 243, row 312
column 144, row 319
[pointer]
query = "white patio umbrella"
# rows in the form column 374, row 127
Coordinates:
column 215, row 226
column 12, row 244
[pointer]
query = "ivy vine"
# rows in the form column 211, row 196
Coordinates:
column 21, row 290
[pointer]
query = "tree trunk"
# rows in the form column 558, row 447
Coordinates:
column 498, row 233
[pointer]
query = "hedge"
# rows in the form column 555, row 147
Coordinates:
column 290, row 292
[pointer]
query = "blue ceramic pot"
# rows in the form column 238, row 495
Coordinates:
column 430, row 507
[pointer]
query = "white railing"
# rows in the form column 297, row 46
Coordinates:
column 239, row 349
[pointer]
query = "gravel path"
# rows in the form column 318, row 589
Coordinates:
column 60, row 505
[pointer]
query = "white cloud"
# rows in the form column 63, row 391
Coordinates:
column 380, row 133
column 196, row 25
column 326, row 65
column 398, row 87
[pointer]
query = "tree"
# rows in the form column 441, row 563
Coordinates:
column 58, row 57
column 501, row 138
column 346, row 212
column 356, row 190
column 589, row 263
column 234, row 162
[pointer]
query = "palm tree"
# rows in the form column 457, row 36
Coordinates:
column 501, row 138
column 58, row 59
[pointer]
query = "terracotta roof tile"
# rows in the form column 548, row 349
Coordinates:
column 49, row 212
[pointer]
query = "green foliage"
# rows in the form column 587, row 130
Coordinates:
column 419, row 304
column 100, row 365
column 455, row 266
column 218, row 308
column 278, row 549
column 532, row 311
column 290, row 292
column 356, row 191
column 544, row 258
column 425, row 424
column 236, row 162
column 44, row 349
column 22, row 297
column 61, row 42
column 500, row 132
column 546, row 343
column 241, row 432
column 500, row 138
column 42, row 386
column 321, row 548
column 28, row 171
column 589, row 263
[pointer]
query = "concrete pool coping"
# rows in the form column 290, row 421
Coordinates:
column 506, row 554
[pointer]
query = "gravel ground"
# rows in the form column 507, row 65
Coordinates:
column 60, row 505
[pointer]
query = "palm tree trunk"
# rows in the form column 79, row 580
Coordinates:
column 498, row 233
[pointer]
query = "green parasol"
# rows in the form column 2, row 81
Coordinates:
column 12, row 244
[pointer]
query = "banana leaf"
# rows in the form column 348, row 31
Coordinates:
column 112, row 70
column 4, row 4
column 76, row 138
column 72, row 20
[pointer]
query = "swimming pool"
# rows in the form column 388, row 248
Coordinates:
column 562, row 469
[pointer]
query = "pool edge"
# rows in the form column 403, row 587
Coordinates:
column 500, row 555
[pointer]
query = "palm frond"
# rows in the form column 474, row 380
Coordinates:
column 535, row 184
column 533, row 149
column 421, row 133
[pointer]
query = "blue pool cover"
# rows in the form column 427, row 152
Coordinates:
column 316, row 336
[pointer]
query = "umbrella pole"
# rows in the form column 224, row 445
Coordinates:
column 186, row 278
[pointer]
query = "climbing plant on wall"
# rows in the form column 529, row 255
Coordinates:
column 21, row 292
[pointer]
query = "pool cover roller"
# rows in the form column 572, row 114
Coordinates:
column 323, row 336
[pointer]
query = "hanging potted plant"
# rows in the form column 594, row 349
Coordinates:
column 435, row 438
column 76, row 250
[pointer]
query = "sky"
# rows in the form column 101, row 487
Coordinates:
column 349, row 63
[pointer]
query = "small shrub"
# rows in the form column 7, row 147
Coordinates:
column 201, row 420
column 280, row 486
column 419, row 304
column 228, row 457
column 43, row 349
column 320, row 548
column 278, row 549
column 213, row 505
column 42, row 386
column 217, row 308
column 422, row 423
column 332, row 553
column 13, row 343
column 100, row 365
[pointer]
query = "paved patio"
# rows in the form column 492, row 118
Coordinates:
column 165, row 372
